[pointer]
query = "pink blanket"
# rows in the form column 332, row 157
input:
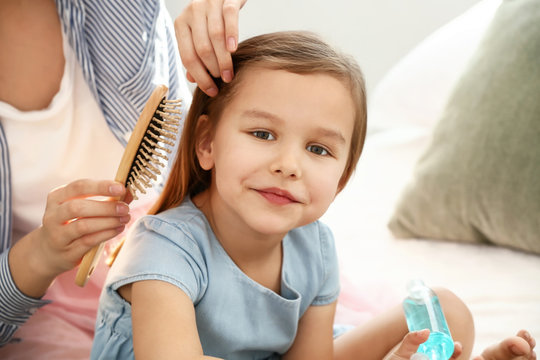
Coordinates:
column 63, row 329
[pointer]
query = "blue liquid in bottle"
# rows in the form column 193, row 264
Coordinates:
column 423, row 311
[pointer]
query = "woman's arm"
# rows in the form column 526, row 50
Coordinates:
column 163, row 320
column 314, row 339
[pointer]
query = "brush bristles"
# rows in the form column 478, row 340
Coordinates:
column 156, row 143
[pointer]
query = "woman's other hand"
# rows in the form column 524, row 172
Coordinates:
column 207, row 34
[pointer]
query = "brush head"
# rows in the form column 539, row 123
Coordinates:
column 152, row 140
column 156, row 144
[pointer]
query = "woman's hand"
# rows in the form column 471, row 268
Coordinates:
column 74, row 222
column 207, row 34
column 410, row 345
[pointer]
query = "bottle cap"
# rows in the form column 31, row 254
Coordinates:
column 416, row 289
column 419, row 356
column 415, row 284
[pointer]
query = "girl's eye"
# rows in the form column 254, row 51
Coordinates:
column 318, row 150
column 264, row 135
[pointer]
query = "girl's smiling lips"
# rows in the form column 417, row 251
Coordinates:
column 277, row 196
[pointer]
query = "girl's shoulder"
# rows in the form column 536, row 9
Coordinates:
column 314, row 244
column 169, row 246
column 185, row 218
column 311, row 263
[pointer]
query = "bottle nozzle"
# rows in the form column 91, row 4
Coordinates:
column 415, row 284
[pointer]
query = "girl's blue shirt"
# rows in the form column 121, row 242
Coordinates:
column 237, row 318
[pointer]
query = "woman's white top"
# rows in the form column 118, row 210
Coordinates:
column 68, row 140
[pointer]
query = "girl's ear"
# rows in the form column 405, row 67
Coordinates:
column 204, row 137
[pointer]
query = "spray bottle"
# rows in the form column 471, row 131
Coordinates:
column 423, row 311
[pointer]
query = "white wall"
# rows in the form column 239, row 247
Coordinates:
column 377, row 32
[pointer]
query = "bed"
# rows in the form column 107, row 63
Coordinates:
column 500, row 284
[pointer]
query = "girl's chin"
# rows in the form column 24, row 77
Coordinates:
column 274, row 227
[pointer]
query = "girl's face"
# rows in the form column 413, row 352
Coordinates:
column 279, row 150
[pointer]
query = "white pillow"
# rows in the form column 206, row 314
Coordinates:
column 415, row 91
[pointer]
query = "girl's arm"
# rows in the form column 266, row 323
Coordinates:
column 163, row 320
column 314, row 339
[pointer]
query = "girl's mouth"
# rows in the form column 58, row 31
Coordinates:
column 277, row 196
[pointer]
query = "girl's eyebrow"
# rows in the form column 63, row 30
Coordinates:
column 321, row 131
column 261, row 114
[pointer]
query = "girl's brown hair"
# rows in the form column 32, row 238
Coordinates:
column 296, row 52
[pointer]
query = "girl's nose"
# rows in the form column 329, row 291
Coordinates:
column 288, row 164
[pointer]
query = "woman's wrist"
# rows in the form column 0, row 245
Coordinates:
column 30, row 267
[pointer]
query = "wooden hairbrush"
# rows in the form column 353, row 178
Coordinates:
column 153, row 136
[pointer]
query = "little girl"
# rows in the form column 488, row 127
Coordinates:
column 235, row 264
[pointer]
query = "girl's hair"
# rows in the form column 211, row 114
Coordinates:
column 296, row 52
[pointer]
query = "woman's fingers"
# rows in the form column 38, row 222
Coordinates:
column 231, row 9
column 207, row 33
column 216, row 32
column 81, row 246
column 78, row 216
column 81, row 208
column 70, row 202
column 203, row 17
column 65, row 258
column 196, row 69
column 85, row 188
column 84, row 228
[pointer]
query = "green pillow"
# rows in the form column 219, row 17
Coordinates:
column 479, row 180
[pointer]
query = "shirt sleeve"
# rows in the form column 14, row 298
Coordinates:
column 15, row 307
column 330, row 286
column 157, row 250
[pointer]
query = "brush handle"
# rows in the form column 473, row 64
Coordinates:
column 91, row 258
column 88, row 264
